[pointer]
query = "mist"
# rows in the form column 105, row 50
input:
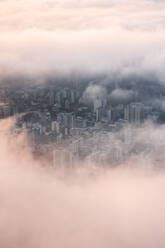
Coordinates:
column 89, row 206
column 112, row 50
column 44, row 38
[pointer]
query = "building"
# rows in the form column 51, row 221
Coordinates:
column 97, row 104
column 99, row 114
column 109, row 115
column 55, row 126
column 66, row 120
column 6, row 111
column 134, row 113
column 62, row 159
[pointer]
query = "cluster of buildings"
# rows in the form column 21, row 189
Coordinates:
column 5, row 110
column 55, row 116
column 58, row 125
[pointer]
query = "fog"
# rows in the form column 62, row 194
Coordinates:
column 48, row 37
column 113, row 207
column 90, row 205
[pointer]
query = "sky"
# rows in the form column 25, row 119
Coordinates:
column 48, row 37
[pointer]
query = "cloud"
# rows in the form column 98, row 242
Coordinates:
column 72, row 14
column 94, row 92
column 121, row 207
column 50, row 37
column 35, row 52
column 122, row 95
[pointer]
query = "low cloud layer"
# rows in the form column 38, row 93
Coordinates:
column 123, row 96
column 122, row 207
column 47, row 37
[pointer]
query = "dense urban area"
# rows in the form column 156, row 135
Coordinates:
column 70, row 122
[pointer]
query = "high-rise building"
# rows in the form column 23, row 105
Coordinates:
column 51, row 98
column 99, row 114
column 127, row 112
column 73, row 96
column 55, row 127
column 62, row 159
column 97, row 104
column 134, row 112
column 6, row 111
column 109, row 114
column 66, row 119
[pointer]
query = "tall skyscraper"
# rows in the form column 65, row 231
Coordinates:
column 134, row 112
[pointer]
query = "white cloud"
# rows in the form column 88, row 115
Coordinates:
column 87, row 14
column 47, row 36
